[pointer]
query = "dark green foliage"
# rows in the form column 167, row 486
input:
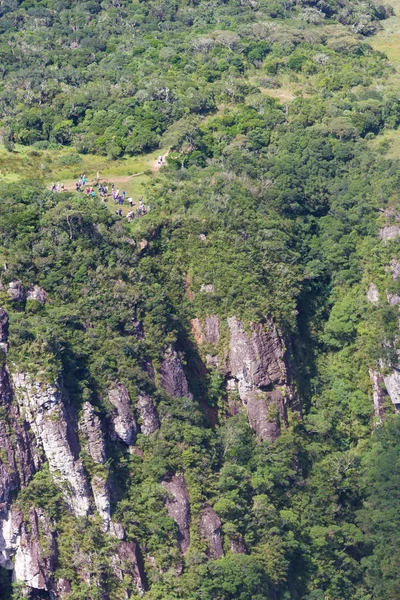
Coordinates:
column 264, row 210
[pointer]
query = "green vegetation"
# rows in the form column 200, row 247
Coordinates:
column 276, row 115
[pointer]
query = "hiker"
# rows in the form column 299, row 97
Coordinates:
column 93, row 194
column 62, row 187
column 130, row 200
column 106, row 190
column 77, row 186
column 120, row 200
column 129, row 215
column 53, row 187
column 123, row 194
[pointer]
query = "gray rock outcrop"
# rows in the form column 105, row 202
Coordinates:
column 124, row 423
column 379, row 394
column 38, row 294
column 210, row 529
column 178, row 507
column 128, row 561
column 148, row 414
column 28, row 548
column 373, row 293
column 392, row 384
column 256, row 362
column 172, row 376
column 16, row 291
column 94, row 443
column 389, row 232
column 53, row 427
column 207, row 331
column 90, row 426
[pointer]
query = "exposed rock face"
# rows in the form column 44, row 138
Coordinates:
column 256, row 359
column 206, row 332
column 238, row 545
column 9, row 479
column 392, row 383
column 148, row 414
column 395, row 269
column 178, row 507
column 378, row 393
column 16, row 291
column 210, row 529
column 256, row 362
column 172, row 375
column 29, row 549
column 37, row 293
column 94, row 444
column 389, row 232
column 128, row 561
column 124, row 423
column 90, row 426
column 18, row 461
column 265, row 412
column 373, row 293
column 393, row 299
column 3, row 330
column 101, row 494
column 53, row 427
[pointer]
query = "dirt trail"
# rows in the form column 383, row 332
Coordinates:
column 156, row 165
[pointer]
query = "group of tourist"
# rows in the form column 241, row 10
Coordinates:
column 57, row 187
column 119, row 197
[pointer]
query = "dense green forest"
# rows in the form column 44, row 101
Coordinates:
column 268, row 210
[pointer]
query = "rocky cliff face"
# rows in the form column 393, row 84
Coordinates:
column 40, row 425
column 172, row 376
column 55, row 431
column 94, row 444
column 210, row 529
column 125, row 426
column 178, row 507
column 148, row 414
column 255, row 368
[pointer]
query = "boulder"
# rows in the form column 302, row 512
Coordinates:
column 124, row 423
column 38, row 294
column 210, row 529
column 16, row 291
column 373, row 293
column 178, row 507
column 148, row 414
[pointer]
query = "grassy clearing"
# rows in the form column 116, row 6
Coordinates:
column 128, row 173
